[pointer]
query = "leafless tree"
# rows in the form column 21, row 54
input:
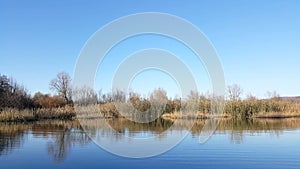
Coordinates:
column 62, row 85
column 159, row 95
column 158, row 99
column 119, row 96
column 13, row 95
column 84, row 96
column 194, row 95
column 273, row 95
column 234, row 92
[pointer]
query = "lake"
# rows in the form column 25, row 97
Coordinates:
column 256, row 143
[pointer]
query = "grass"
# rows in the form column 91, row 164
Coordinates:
column 262, row 108
column 251, row 108
column 15, row 115
column 277, row 115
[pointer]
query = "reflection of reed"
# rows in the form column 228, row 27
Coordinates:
column 235, row 126
column 64, row 135
column 10, row 137
column 259, row 124
column 111, row 127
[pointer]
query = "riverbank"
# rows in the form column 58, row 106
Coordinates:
column 251, row 108
column 26, row 115
column 248, row 109
column 261, row 115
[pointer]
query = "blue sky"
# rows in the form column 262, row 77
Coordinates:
column 258, row 42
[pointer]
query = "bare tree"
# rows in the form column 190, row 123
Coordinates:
column 250, row 97
column 234, row 92
column 84, row 96
column 194, row 95
column 62, row 85
column 273, row 95
column 13, row 95
column 158, row 99
column 119, row 96
column 159, row 95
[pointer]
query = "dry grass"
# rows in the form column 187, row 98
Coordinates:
column 243, row 109
column 15, row 115
column 277, row 115
column 198, row 115
column 232, row 109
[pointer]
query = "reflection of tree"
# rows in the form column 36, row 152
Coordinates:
column 65, row 134
column 63, row 142
column 238, row 127
column 122, row 126
column 61, row 147
column 237, row 136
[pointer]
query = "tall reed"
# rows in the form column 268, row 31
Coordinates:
column 10, row 114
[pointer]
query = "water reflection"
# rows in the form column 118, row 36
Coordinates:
column 11, row 136
column 63, row 135
column 64, row 140
column 273, row 127
column 235, row 126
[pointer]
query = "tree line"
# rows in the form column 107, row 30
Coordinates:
column 14, row 95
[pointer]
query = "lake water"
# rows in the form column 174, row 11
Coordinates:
column 259, row 143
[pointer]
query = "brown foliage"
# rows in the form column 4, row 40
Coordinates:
column 47, row 101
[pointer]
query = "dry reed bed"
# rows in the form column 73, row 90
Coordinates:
column 251, row 108
column 15, row 115
column 232, row 109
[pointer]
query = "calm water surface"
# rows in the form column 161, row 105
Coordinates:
column 236, row 144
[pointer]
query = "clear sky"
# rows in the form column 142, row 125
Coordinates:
column 258, row 42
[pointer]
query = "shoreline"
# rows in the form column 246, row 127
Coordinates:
column 109, row 111
column 24, row 116
column 264, row 115
column 30, row 115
